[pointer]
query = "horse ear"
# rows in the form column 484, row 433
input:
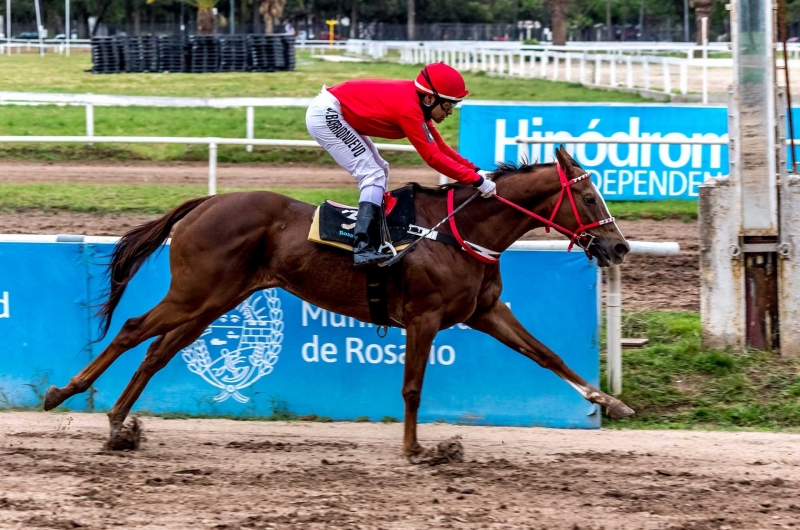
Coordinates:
column 564, row 160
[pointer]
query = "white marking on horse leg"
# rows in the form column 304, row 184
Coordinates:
column 582, row 390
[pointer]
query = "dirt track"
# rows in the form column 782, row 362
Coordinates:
column 221, row 474
column 644, row 278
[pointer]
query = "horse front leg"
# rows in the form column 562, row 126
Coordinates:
column 499, row 322
column 420, row 333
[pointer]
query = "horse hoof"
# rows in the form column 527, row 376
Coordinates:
column 52, row 398
column 414, row 451
column 125, row 437
column 619, row 410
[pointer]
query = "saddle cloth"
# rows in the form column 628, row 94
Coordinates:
column 334, row 223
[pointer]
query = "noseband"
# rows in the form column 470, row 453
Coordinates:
column 579, row 236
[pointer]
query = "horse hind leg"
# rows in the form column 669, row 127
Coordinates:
column 160, row 352
column 165, row 316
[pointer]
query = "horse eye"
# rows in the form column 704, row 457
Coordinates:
column 589, row 200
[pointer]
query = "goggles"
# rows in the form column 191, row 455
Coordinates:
column 449, row 104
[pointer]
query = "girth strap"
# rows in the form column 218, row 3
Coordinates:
column 377, row 296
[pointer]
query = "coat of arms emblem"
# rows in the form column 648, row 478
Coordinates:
column 245, row 342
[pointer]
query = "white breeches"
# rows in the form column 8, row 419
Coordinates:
column 355, row 153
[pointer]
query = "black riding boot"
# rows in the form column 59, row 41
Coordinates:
column 367, row 232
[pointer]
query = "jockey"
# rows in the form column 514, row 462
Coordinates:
column 342, row 118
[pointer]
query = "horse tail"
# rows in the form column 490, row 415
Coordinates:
column 132, row 251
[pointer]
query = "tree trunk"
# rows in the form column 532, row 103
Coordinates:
column 354, row 20
column 269, row 23
column 101, row 14
column 205, row 21
column 243, row 16
column 558, row 17
column 411, row 19
column 702, row 8
column 82, row 19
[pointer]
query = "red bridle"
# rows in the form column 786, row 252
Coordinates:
column 579, row 236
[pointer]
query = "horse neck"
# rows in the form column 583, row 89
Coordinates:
column 497, row 226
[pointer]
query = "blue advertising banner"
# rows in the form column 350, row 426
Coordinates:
column 488, row 136
column 275, row 351
column 44, row 321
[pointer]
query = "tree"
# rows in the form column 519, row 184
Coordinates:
column 271, row 10
column 558, row 18
column 411, row 16
column 205, row 14
column 702, row 8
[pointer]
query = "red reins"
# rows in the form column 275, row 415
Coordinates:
column 579, row 236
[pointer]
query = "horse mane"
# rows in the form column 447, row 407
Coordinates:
column 503, row 170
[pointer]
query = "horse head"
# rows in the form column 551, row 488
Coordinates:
column 582, row 210
column 563, row 197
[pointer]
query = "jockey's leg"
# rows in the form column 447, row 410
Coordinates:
column 357, row 155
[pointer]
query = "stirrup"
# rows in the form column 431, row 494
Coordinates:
column 387, row 245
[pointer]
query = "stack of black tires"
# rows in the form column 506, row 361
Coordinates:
column 107, row 57
column 196, row 54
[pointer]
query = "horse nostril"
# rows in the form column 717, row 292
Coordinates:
column 621, row 249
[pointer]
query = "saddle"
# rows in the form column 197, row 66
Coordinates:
column 333, row 225
column 333, row 222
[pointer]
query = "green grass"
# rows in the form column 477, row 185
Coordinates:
column 676, row 383
column 160, row 198
column 659, row 210
column 59, row 74
column 131, row 198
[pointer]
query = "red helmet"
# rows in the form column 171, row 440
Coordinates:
column 443, row 81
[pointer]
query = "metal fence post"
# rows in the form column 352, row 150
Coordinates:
column 568, row 66
column 556, row 63
column 613, row 71
column 684, row 79
column 250, row 126
column 614, row 329
column 705, row 60
column 583, row 68
column 212, row 168
column 89, row 120
column 597, row 70
column 629, row 78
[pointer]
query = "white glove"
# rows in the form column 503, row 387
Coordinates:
column 484, row 174
column 487, row 188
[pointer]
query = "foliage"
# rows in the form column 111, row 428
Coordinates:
column 676, row 383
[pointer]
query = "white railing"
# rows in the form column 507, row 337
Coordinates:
column 613, row 284
column 605, row 65
column 90, row 101
column 8, row 46
column 212, row 144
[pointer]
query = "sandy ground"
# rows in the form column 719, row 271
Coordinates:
column 228, row 175
column 221, row 474
column 643, row 277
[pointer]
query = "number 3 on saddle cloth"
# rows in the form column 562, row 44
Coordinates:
column 333, row 225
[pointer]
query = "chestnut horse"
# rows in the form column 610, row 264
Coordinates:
column 228, row 246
